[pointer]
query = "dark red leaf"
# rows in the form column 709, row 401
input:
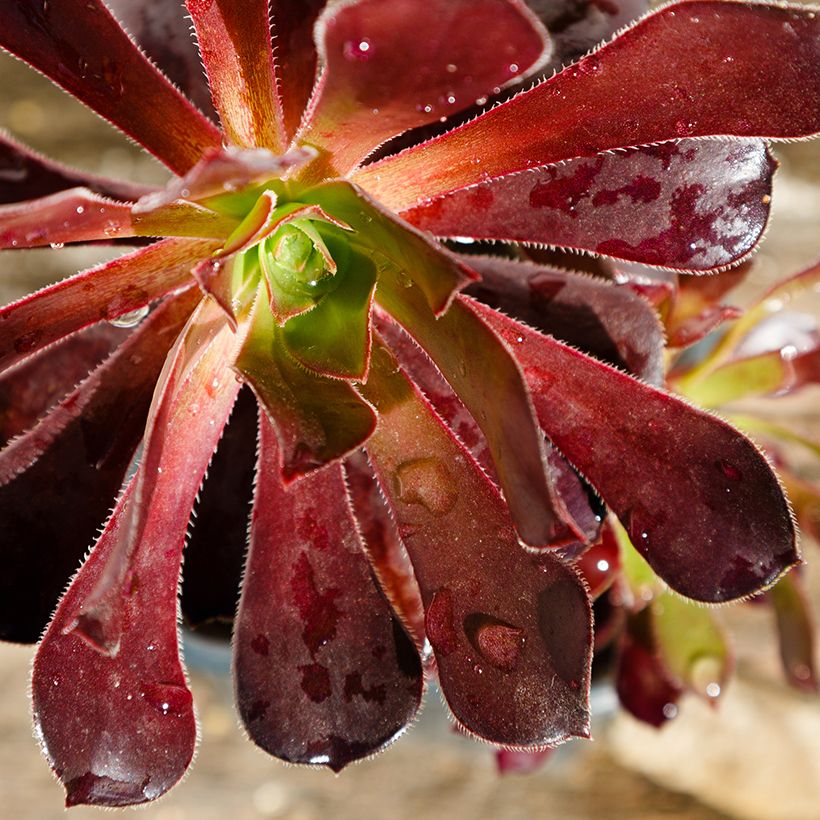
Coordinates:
column 480, row 368
column 191, row 405
column 688, row 205
column 235, row 44
column 30, row 389
column 25, row 174
column 116, row 717
column 645, row 689
column 215, row 554
column 382, row 75
column 754, row 73
column 699, row 500
column 81, row 47
column 513, row 657
column 324, row 673
column 607, row 321
column 107, row 291
column 52, row 511
column 384, row 547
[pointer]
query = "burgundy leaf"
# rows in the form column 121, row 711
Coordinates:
column 318, row 419
column 81, row 47
column 576, row 26
column 513, row 657
column 163, row 31
column 108, row 291
column 569, row 487
column 480, row 367
column 295, row 55
column 79, row 215
column 795, row 628
column 25, row 174
column 688, row 205
column 190, row 408
column 600, row 565
column 30, row 389
column 699, row 501
column 383, row 546
column 324, row 672
column 235, row 44
column 754, row 73
column 52, row 511
column 382, row 76
column 607, row 321
column 215, row 554
column 645, row 689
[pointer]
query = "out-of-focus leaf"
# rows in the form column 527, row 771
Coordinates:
column 795, row 628
column 691, row 644
column 81, row 47
column 52, row 510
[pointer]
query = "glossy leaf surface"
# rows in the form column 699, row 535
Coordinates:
column 324, row 673
column 76, row 458
column 235, row 44
column 368, row 91
column 107, row 291
column 699, row 501
column 607, row 321
column 479, row 368
column 86, row 718
column 687, row 205
column 513, row 658
column 754, row 73
column 82, row 48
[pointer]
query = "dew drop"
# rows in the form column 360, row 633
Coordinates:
column 80, row 209
column 359, row 50
column 57, row 245
column 670, row 711
column 590, row 65
column 729, row 470
column 439, row 625
column 499, row 643
column 451, row 68
column 130, row 319
column 684, row 127
column 167, row 698
column 428, row 482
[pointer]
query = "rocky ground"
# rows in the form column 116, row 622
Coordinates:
column 758, row 756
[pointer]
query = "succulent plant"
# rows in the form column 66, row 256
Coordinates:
column 428, row 436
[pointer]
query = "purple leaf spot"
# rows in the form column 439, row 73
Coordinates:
column 316, row 681
column 354, row 686
column 439, row 623
column 318, row 609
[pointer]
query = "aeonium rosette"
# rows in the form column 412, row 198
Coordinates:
column 423, row 460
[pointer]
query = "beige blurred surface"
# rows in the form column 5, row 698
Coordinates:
column 759, row 757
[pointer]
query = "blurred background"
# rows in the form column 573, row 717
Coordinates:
column 756, row 756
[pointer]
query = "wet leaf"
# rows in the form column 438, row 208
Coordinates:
column 513, row 658
column 324, row 673
column 699, row 501
column 795, row 629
